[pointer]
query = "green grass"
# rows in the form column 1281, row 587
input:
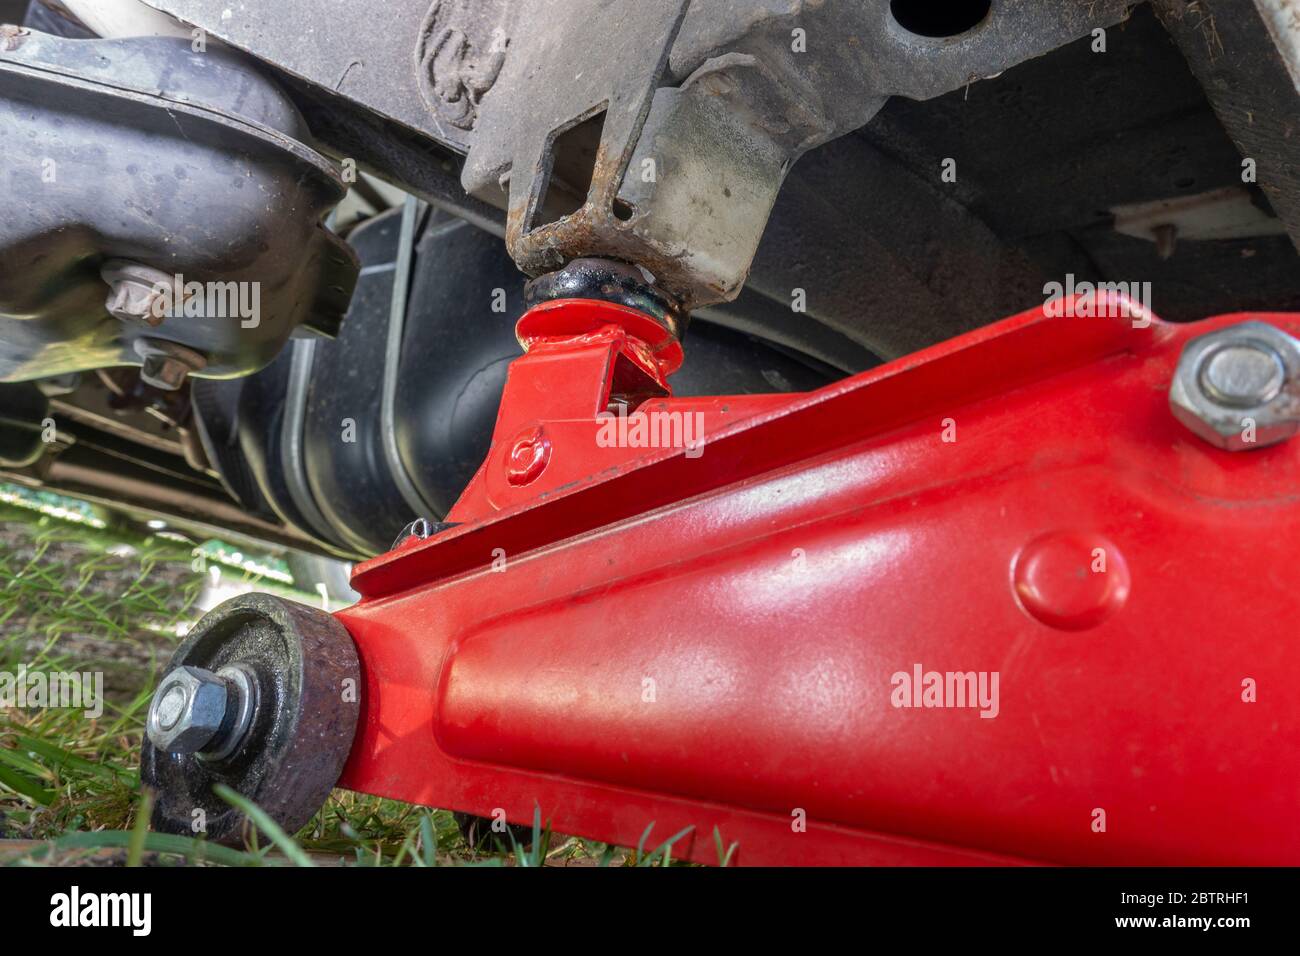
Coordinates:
column 73, row 597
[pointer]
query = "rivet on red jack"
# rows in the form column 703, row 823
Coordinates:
column 1071, row 580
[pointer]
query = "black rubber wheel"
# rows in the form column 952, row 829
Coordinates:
column 308, row 685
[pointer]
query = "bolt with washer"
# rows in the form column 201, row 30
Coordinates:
column 198, row 711
column 1238, row 387
column 137, row 292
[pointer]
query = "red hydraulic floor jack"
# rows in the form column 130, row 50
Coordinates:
column 1026, row 596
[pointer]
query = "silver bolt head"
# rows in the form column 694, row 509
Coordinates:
column 187, row 710
column 132, row 302
column 135, row 291
column 1238, row 383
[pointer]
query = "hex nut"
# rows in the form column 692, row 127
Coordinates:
column 1230, row 377
column 188, row 710
column 241, row 711
column 133, row 291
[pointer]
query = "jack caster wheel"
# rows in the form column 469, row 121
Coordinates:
column 263, row 697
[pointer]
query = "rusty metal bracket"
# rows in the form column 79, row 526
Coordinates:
column 589, row 91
